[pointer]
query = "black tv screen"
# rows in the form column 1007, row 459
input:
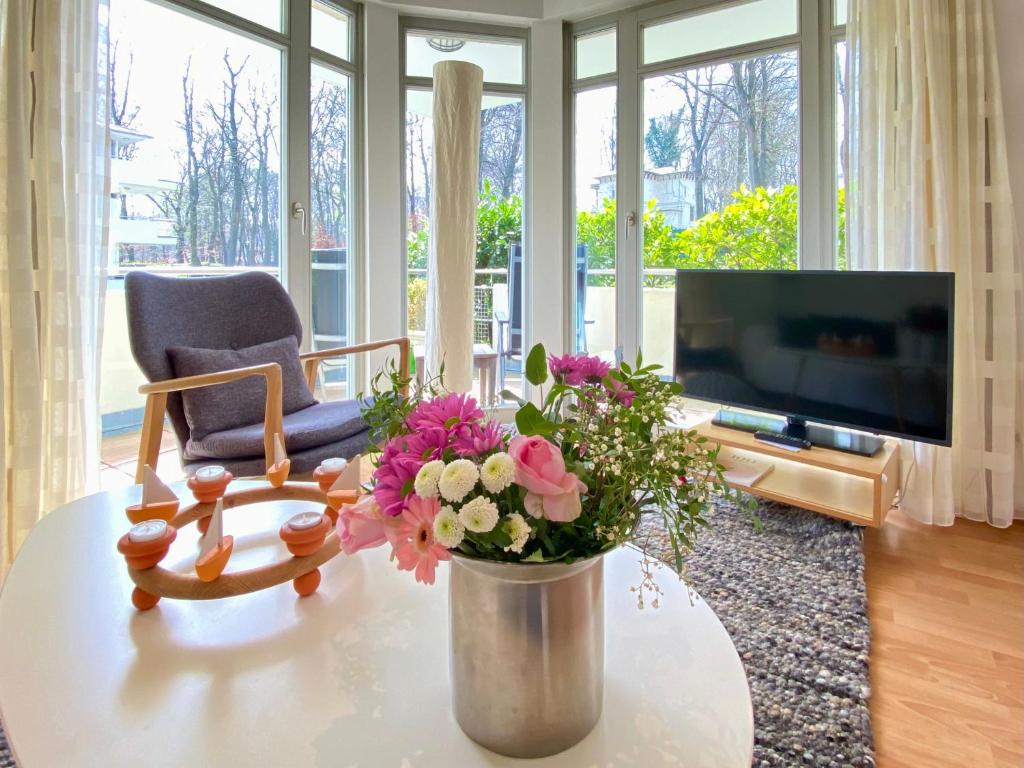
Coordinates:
column 867, row 350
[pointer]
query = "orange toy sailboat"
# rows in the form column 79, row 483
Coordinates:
column 345, row 490
column 214, row 547
column 277, row 472
column 158, row 501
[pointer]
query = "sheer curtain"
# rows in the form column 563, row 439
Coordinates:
column 54, row 196
column 929, row 190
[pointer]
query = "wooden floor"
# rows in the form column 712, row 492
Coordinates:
column 947, row 644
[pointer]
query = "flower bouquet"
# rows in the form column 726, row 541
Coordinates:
column 571, row 484
column 524, row 516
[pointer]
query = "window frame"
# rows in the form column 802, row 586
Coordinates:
column 418, row 24
column 297, row 59
column 812, row 41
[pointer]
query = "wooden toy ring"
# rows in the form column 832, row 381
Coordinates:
column 160, row 582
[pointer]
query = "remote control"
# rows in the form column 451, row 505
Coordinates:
column 783, row 441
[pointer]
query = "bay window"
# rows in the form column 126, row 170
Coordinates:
column 233, row 138
column 720, row 153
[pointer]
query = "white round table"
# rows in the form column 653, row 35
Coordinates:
column 356, row 675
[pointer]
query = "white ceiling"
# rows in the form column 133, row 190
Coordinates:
column 509, row 11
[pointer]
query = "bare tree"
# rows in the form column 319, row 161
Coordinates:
column 703, row 117
column 501, row 147
column 329, row 170
column 227, row 120
column 121, row 114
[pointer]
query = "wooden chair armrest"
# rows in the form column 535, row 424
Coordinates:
column 156, row 405
column 311, row 360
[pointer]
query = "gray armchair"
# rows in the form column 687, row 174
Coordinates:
column 171, row 316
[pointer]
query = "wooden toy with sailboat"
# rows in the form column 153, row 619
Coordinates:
column 309, row 536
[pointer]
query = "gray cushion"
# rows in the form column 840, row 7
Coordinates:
column 238, row 403
column 210, row 312
column 317, row 425
column 303, row 462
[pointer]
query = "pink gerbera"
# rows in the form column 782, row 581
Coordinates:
column 445, row 412
column 415, row 548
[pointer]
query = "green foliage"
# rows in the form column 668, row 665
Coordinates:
column 417, row 292
column 758, row 230
column 499, row 224
column 537, row 365
column 417, row 248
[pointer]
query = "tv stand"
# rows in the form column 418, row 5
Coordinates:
column 823, row 437
column 835, row 483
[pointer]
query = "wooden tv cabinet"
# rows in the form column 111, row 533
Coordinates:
column 844, row 485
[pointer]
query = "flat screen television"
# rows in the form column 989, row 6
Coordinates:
column 872, row 351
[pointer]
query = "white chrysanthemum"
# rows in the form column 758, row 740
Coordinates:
column 448, row 529
column 498, row 472
column 458, row 479
column 479, row 515
column 425, row 484
column 519, row 530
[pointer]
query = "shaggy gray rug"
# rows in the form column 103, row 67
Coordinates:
column 792, row 598
column 6, row 758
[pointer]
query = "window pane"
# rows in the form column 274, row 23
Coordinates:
column 195, row 166
column 595, row 53
column 714, row 30
column 841, row 152
column 498, row 287
column 721, row 168
column 841, row 11
column 329, row 29
column 265, row 12
column 595, row 198
column 501, row 60
column 330, row 230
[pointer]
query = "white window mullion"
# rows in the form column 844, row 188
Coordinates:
column 297, row 271
column 815, row 228
column 629, row 209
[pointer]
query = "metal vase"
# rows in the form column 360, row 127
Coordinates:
column 527, row 653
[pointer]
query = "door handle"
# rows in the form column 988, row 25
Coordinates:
column 630, row 222
column 298, row 212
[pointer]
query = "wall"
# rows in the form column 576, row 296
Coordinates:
column 384, row 298
column 546, row 265
column 120, row 377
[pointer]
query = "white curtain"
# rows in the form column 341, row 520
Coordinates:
column 929, row 190
column 458, row 92
column 54, row 197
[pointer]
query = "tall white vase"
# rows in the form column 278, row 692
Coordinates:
column 458, row 92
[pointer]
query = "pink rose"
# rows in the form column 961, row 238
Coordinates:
column 364, row 525
column 553, row 493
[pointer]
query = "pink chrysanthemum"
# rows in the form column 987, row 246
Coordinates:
column 595, row 369
column 446, row 412
column 477, row 439
column 400, row 461
column 566, row 369
column 575, row 370
column 620, row 392
column 416, row 549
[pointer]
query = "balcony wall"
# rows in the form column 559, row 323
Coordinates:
column 659, row 322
